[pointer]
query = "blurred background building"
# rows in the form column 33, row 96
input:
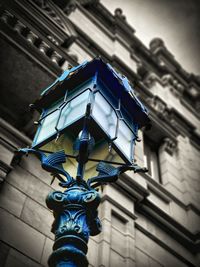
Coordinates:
column 150, row 219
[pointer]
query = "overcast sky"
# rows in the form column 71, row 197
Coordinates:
column 177, row 22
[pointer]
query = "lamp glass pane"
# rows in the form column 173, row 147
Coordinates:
column 74, row 110
column 124, row 139
column 47, row 128
column 104, row 115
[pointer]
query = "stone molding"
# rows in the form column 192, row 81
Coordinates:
column 134, row 190
column 10, row 140
column 12, row 134
column 48, row 40
column 159, row 106
column 174, row 85
column 4, row 170
column 167, row 223
column 166, row 195
column 163, row 244
column 150, row 79
column 167, row 80
column 29, row 35
column 173, row 121
column 57, row 14
column 119, row 206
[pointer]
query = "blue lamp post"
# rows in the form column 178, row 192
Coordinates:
column 95, row 104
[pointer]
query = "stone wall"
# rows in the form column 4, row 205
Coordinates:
column 146, row 223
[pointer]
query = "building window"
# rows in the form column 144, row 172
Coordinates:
column 151, row 159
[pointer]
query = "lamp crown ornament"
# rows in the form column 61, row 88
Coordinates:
column 91, row 106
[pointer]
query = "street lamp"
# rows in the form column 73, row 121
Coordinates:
column 87, row 107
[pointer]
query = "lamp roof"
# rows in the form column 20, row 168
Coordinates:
column 117, row 84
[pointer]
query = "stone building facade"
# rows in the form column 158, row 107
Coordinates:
column 150, row 219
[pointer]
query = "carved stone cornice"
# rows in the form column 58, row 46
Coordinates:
column 53, row 40
column 158, row 48
column 156, row 44
column 52, row 10
column 171, row 118
column 150, row 79
column 174, row 85
column 28, row 35
column 46, row 15
column 119, row 14
column 168, row 120
column 70, row 6
column 121, row 24
column 32, row 42
column 159, row 106
column 58, row 15
column 167, row 80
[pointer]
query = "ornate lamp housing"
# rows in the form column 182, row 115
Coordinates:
column 95, row 103
column 116, row 114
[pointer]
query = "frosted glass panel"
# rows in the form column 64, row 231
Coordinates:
column 74, row 110
column 104, row 114
column 48, row 126
column 124, row 140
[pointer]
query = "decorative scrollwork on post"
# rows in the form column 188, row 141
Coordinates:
column 76, row 218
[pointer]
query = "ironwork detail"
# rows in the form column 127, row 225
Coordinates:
column 75, row 209
column 76, row 218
